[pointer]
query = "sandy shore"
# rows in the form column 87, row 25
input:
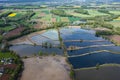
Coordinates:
column 46, row 68
column 106, row 72
column 74, row 26
column 115, row 38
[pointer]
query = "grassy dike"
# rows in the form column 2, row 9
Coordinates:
column 71, row 73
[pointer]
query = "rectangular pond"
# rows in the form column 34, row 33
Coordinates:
column 78, row 58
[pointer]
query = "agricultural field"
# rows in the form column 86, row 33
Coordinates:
column 16, row 14
column 37, row 15
column 64, row 19
column 46, row 11
column 7, row 28
column 115, row 23
column 117, row 19
column 72, row 19
column 95, row 13
column 14, row 32
column 58, row 18
column 46, row 18
column 92, row 13
column 115, row 12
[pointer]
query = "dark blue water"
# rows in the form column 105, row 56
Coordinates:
column 87, row 50
column 92, row 60
column 77, row 34
column 84, row 44
column 29, row 50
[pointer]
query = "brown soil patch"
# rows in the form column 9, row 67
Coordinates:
column 26, row 38
column 42, row 14
column 14, row 32
column 45, row 68
column 115, row 38
column 53, row 19
column 101, row 29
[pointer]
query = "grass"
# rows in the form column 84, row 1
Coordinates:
column 7, row 55
column 115, row 12
column 37, row 14
column 7, row 28
column 47, row 18
column 95, row 13
column 64, row 19
column 72, row 19
column 115, row 23
column 58, row 18
column 92, row 13
column 46, row 11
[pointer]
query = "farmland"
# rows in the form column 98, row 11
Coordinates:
column 11, row 19
column 17, row 24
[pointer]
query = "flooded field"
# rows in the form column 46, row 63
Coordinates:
column 32, row 44
column 92, row 50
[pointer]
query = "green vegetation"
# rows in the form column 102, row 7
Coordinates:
column 16, row 63
column 72, row 19
column 1, row 37
column 60, row 13
column 40, row 53
column 98, row 33
column 82, row 11
column 46, row 11
column 103, row 11
column 97, row 66
column 72, row 74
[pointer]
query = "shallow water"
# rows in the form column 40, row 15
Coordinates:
column 29, row 50
column 50, row 36
column 73, row 34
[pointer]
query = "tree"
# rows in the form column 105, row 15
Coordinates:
column 40, row 53
column 97, row 66
column 72, row 74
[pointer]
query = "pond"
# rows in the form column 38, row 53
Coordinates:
column 89, row 39
column 30, row 50
column 50, row 36
column 96, row 58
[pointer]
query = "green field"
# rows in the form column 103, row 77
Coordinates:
column 64, row 19
column 18, row 15
column 115, row 23
column 92, row 13
column 7, row 28
column 7, row 55
column 46, row 11
column 72, row 19
column 58, row 18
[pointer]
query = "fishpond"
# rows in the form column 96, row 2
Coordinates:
column 80, row 58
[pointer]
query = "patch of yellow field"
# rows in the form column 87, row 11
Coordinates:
column 12, row 15
column 118, row 18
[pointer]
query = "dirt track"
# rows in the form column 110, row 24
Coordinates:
column 46, row 68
